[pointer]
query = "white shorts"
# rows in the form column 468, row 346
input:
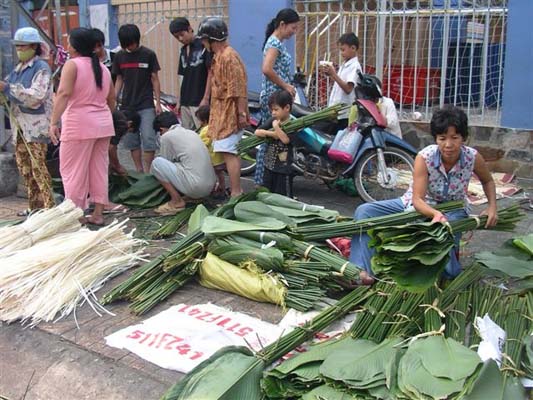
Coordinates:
column 229, row 144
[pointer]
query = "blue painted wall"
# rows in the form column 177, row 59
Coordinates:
column 247, row 25
column 517, row 107
column 112, row 39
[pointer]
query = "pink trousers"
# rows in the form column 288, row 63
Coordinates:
column 83, row 165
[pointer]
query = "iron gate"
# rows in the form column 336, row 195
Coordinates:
column 427, row 52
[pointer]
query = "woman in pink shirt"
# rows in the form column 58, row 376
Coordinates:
column 84, row 102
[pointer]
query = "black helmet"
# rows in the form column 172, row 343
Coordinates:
column 213, row 28
column 368, row 87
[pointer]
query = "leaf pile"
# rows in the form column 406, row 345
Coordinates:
column 415, row 255
column 428, row 368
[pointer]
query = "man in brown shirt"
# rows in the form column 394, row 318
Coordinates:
column 229, row 101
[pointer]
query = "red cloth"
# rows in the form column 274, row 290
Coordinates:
column 341, row 245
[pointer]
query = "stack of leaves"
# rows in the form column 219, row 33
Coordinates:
column 364, row 367
column 348, row 228
column 137, row 190
column 432, row 367
column 435, row 368
column 39, row 226
column 173, row 225
column 293, row 126
column 415, row 255
column 62, row 272
column 299, row 374
column 235, row 373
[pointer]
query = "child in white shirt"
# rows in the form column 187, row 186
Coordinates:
column 346, row 78
column 388, row 110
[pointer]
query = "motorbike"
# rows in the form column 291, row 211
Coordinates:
column 382, row 165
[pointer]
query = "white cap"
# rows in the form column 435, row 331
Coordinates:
column 27, row 36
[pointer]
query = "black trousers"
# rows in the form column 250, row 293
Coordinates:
column 278, row 183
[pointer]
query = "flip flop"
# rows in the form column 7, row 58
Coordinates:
column 168, row 209
column 89, row 222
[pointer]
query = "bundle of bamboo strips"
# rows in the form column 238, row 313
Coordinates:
column 41, row 225
column 56, row 275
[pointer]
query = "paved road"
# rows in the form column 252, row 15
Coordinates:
column 60, row 361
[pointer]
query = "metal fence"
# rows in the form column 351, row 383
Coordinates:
column 427, row 53
column 153, row 18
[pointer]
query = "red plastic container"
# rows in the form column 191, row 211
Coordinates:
column 405, row 94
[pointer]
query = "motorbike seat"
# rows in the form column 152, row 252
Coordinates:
column 169, row 99
column 253, row 96
column 300, row 111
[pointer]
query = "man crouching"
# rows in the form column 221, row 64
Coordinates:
column 184, row 165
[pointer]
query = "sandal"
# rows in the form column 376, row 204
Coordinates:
column 168, row 209
column 113, row 208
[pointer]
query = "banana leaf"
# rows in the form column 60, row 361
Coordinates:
column 282, row 240
column 511, row 266
column 327, row 392
column 300, row 373
column 197, row 218
column 221, row 226
column 252, row 211
column 527, row 359
column 491, row 384
column 525, row 243
column 436, row 368
column 277, row 200
column 266, row 259
column 230, row 364
column 301, row 217
column 362, row 364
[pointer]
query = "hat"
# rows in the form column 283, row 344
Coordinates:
column 27, row 36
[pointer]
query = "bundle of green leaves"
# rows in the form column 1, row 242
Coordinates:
column 415, row 255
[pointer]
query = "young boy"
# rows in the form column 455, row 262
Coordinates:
column 193, row 68
column 136, row 68
column 346, row 79
column 278, row 157
column 202, row 114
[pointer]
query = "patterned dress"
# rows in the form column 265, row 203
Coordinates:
column 282, row 67
column 445, row 186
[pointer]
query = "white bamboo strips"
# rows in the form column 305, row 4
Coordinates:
column 48, row 280
column 39, row 226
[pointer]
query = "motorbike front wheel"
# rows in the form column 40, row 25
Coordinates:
column 248, row 159
column 370, row 183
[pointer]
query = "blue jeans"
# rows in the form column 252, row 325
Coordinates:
column 361, row 253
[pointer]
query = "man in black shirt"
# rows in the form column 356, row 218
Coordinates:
column 194, row 66
column 136, row 69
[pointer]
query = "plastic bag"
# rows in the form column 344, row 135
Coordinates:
column 345, row 145
column 255, row 285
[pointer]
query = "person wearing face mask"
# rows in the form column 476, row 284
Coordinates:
column 29, row 92
column 276, row 70
column 194, row 64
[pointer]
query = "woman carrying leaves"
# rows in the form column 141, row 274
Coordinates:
column 29, row 91
column 442, row 173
